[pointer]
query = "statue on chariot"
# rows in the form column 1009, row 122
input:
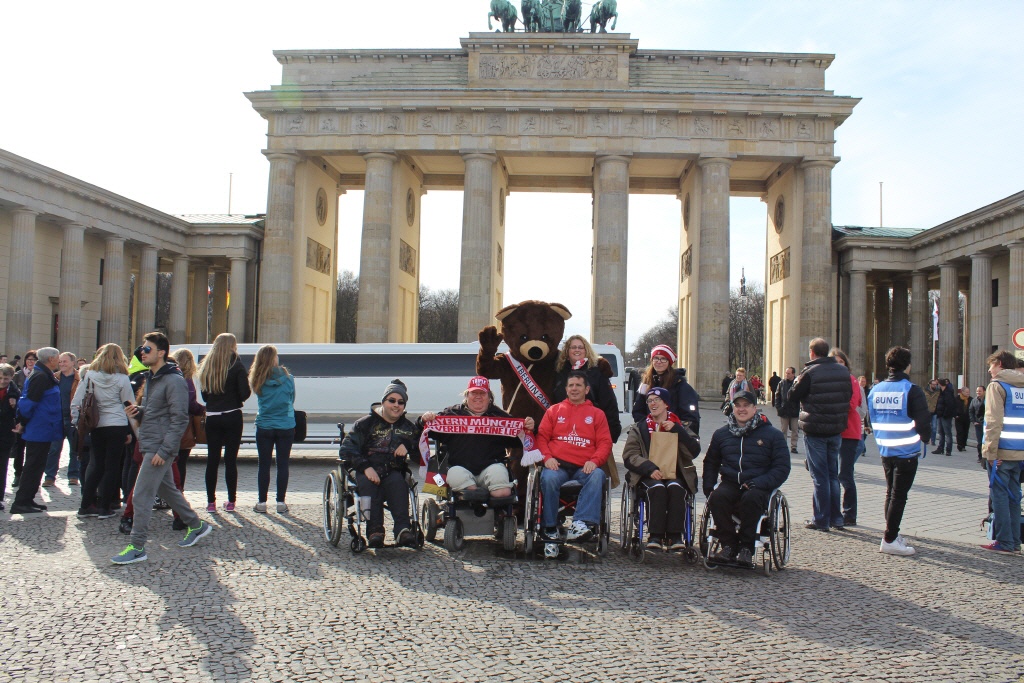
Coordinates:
column 553, row 16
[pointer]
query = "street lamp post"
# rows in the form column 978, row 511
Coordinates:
column 743, row 318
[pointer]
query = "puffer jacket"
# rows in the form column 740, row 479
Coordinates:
column 635, row 454
column 163, row 413
column 276, row 401
column 823, row 392
column 373, row 440
column 601, row 395
column 112, row 391
column 685, row 402
column 39, row 409
column 759, row 458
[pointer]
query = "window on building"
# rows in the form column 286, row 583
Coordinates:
column 995, row 292
column 101, row 272
column 98, row 331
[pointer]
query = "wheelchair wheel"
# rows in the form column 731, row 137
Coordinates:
column 766, row 562
column 604, row 528
column 531, row 509
column 778, row 519
column 334, row 515
column 358, row 544
column 453, row 538
column 626, row 520
column 429, row 514
column 509, row 532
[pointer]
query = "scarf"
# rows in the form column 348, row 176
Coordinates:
column 755, row 422
column 653, row 426
column 579, row 364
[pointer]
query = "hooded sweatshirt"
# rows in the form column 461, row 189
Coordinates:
column 995, row 408
column 112, row 391
column 575, row 433
column 276, row 400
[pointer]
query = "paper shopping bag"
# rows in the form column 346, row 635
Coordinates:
column 664, row 451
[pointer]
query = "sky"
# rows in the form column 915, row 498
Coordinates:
column 145, row 100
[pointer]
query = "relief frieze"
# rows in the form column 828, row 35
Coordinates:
column 778, row 267
column 549, row 67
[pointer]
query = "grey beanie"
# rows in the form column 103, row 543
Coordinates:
column 397, row 386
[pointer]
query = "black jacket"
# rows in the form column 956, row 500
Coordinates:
column 823, row 392
column 236, row 390
column 8, row 418
column 475, row 452
column 782, row 404
column 976, row 411
column 373, row 440
column 601, row 395
column 946, row 407
column 759, row 458
column 685, row 403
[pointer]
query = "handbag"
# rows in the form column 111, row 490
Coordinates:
column 88, row 415
column 300, row 426
column 198, row 427
column 188, row 439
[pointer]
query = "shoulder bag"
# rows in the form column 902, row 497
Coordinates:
column 88, row 414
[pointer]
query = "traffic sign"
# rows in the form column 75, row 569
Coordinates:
column 1018, row 338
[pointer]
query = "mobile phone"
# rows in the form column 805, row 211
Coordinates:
column 127, row 403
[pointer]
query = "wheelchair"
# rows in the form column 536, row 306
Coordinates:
column 441, row 511
column 633, row 526
column 567, row 497
column 341, row 507
column 771, row 543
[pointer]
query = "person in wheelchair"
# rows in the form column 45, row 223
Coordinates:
column 476, row 462
column 377, row 449
column 753, row 459
column 575, row 442
column 666, row 498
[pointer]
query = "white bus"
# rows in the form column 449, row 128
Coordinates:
column 333, row 380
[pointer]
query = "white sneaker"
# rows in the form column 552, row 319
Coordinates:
column 550, row 550
column 579, row 531
column 897, row 547
column 260, row 507
column 281, row 508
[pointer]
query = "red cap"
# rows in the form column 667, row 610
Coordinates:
column 479, row 383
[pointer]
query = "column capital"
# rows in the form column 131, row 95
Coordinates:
column 387, row 156
column 113, row 239
column 851, row 271
column 483, row 156
column 24, row 211
column 948, row 265
column 600, row 157
column 981, row 256
column 181, row 257
column 714, row 160
column 819, row 162
column 239, row 258
column 282, row 155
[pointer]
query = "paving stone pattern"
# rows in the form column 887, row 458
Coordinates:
column 265, row 598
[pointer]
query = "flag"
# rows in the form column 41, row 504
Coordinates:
column 935, row 321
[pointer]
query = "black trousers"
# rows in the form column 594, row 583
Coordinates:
column 223, row 433
column 666, row 506
column 392, row 488
column 963, row 426
column 899, row 477
column 18, row 455
column 103, row 474
column 6, row 445
column 728, row 500
column 32, row 473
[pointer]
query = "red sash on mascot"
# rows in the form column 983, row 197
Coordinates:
column 527, row 381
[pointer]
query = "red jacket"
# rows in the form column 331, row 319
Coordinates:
column 575, row 434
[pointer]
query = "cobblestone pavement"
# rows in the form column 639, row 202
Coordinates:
column 265, row 598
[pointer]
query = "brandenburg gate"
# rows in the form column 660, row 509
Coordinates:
column 540, row 112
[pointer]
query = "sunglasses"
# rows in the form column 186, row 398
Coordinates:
column 147, row 349
column 396, row 400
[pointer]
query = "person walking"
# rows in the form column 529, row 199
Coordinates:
column 39, row 419
column 162, row 416
column 21, row 375
column 773, row 384
column 1004, row 448
column 851, row 440
column 976, row 414
column 67, row 377
column 902, row 424
column 788, row 412
column 275, row 423
column 225, row 387
column 107, row 380
column 945, row 411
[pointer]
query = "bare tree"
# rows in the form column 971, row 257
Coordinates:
column 664, row 332
column 746, row 329
column 348, row 298
column 439, row 315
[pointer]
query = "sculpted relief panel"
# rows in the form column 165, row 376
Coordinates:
column 549, row 67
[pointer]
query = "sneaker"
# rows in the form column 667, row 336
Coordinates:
column 405, row 538
column 809, row 524
column 550, row 534
column 724, row 554
column 125, row 527
column 211, row 507
column 160, row 504
column 793, row 450
column 655, row 542
column 675, row 543
column 91, row 511
column 129, row 555
column 997, row 546
column 229, row 506
column 259, row 507
column 72, row 481
column 745, row 558
column 49, row 482
column 897, row 547
column 178, row 525
column 937, row 452
column 282, row 507
column 193, row 534
column 550, row 551
column 106, row 514
column 579, row 531
column 19, row 509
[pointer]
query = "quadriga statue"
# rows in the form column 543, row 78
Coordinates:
column 505, row 12
column 600, row 13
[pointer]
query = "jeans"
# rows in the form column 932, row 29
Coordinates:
column 862, row 447
column 53, row 457
column 223, row 432
column 945, row 435
column 266, row 441
column 1005, row 493
column 848, row 454
column 935, row 428
column 588, row 504
column 899, row 477
column 979, row 432
column 823, row 463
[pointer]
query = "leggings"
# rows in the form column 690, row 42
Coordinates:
column 223, row 432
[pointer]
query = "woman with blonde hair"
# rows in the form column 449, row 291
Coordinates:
column 225, row 387
column 275, row 422
column 107, row 380
column 578, row 354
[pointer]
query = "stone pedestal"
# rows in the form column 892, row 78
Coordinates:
column 949, row 361
column 713, row 286
column 20, row 282
column 114, row 303
column 236, row 308
column 816, row 251
column 178, row 322
column 980, row 321
column 278, row 271
column 145, row 319
column 475, row 278
column 375, row 262
column 611, row 232
column 69, row 310
column 920, row 329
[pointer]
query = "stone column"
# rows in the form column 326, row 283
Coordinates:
column 713, row 277
column 816, row 251
column 883, row 328
column 475, row 283
column 200, row 304
column 858, row 319
column 1015, row 295
column 236, row 309
column 920, row 329
column 20, row 282
column 900, row 308
column 980, row 325
column 949, row 310
column 178, row 322
column 278, row 272
column 611, row 230
column 375, row 262
column 219, row 317
column 69, row 310
column 869, row 335
column 114, row 302
column 148, row 264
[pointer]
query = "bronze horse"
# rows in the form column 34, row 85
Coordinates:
column 531, row 18
column 600, row 13
column 572, row 14
column 505, row 12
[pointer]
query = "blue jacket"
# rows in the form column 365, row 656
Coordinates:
column 39, row 408
column 276, row 400
column 759, row 458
